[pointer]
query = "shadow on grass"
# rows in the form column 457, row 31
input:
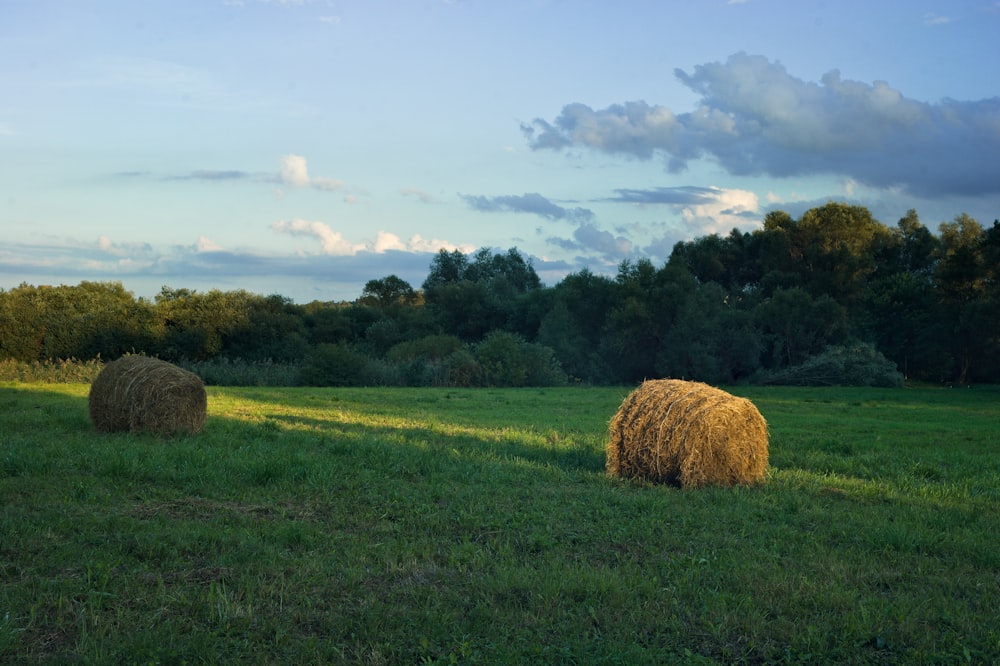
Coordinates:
column 29, row 407
column 556, row 449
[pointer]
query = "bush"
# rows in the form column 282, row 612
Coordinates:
column 431, row 347
column 221, row 371
column 333, row 365
column 421, row 362
column 506, row 359
column 854, row 365
column 461, row 369
column 379, row 372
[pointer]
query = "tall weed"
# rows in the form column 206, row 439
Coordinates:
column 62, row 371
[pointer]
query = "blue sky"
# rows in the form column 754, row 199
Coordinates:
column 304, row 147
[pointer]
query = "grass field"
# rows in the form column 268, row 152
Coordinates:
column 385, row 526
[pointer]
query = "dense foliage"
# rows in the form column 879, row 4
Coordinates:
column 834, row 297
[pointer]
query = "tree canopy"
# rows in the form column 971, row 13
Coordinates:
column 745, row 306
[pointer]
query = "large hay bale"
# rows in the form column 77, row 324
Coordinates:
column 142, row 394
column 687, row 434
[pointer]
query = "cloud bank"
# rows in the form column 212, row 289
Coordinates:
column 333, row 243
column 754, row 118
column 337, row 270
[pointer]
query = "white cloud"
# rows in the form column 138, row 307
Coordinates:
column 385, row 241
column 418, row 243
column 106, row 247
column 728, row 209
column 294, row 171
column 332, row 242
column 205, row 244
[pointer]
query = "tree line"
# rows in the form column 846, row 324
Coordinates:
column 833, row 297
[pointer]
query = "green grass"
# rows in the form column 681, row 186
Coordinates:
column 383, row 526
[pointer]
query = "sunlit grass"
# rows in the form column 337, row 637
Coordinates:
column 478, row 526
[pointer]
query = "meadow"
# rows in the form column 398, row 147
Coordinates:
column 463, row 526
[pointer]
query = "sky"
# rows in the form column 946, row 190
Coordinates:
column 305, row 147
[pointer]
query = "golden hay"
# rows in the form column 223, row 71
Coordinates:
column 142, row 394
column 687, row 434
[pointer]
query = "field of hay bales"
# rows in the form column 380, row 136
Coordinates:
column 385, row 526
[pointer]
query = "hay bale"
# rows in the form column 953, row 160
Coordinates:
column 687, row 434
column 142, row 394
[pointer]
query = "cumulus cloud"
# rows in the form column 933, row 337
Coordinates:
column 386, row 241
column 728, row 209
column 531, row 202
column 295, row 173
column 205, row 244
column 754, row 118
column 333, row 242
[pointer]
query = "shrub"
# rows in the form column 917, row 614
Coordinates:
column 222, row 371
column 431, row 347
column 421, row 362
column 333, row 365
column 506, row 359
column 460, row 369
column 855, row 365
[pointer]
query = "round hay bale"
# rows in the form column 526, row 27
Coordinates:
column 142, row 394
column 687, row 434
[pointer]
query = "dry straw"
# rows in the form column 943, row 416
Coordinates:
column 687, row 434
column 141, row 394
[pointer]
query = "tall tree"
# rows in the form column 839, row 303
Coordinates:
column 962, row 280
column 470, row 299
column 798, row 326
column 388, row 292
column 960, row 272
column 196, row 323
column 840, row 245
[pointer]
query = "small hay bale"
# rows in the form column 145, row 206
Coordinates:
column 142, row 394
column 687, row 434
